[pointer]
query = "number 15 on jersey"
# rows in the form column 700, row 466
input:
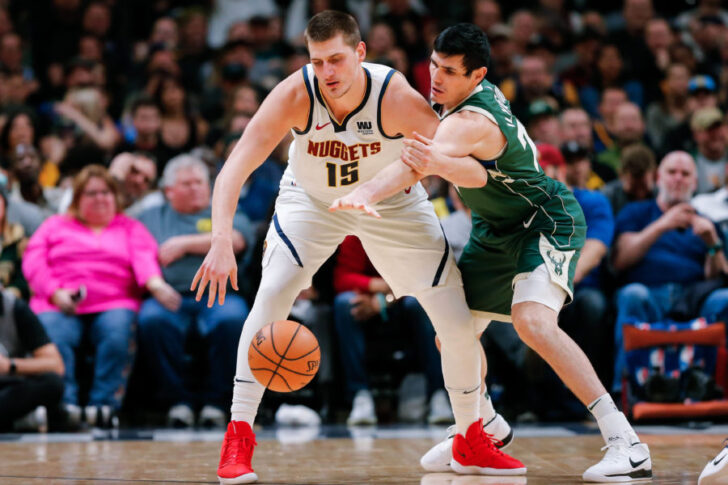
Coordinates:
column 344, row 174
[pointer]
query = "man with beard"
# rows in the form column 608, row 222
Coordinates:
column 711, row 156
column 25, row 188
column 662, row 246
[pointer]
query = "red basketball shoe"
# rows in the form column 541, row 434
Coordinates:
column 475, row 454
column 236, row 454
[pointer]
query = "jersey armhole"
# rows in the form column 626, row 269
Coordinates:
column 379, row 106
column 304, row 70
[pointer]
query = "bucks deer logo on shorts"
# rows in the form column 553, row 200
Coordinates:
column 557, row 262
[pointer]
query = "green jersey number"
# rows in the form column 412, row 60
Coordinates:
column 348, row 173
column 527, row 142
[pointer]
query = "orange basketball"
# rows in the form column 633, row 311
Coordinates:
column 284, row 356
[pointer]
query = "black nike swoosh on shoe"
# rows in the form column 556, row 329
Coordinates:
column 594, row 405
column 721, row 459
column 635, row 464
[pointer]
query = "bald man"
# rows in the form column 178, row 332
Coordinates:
column 663, row 246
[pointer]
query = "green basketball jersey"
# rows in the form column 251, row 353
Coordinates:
column 521, row 218
column 516, row 183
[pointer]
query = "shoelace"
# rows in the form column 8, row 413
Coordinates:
column 613, row 452
column 494, row 443
column 452, row 431
column 489, row 440
column 237, row 446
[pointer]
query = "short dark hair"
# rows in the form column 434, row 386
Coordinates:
column 144, row 101
column 637, row 160
column 328, row 24
column 468, row 40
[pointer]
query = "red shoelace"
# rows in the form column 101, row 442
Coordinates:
column 489, row 441
column 237, row 446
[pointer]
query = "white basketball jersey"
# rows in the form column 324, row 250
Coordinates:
column 327, row 159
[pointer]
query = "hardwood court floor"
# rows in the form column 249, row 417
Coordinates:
column 677, row 459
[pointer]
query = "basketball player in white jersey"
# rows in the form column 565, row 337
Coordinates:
column 348, row 120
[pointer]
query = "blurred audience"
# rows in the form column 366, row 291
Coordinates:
column 87, row 271
column 181, row 227
column 613, row 87
column 136, row 176
column 636, row 180
column 363, row 302
column 667, row 233
column 31, row 369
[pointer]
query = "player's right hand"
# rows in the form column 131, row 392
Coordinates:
column 219, row 264
column 355, row 201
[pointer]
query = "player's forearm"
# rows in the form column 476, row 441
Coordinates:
column 241, row 163
column 200, row 243
column 395, row 177
column 463, row 171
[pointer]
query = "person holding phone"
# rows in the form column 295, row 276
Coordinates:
column 88, row 270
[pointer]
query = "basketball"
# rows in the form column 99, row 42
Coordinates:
column 284, row 356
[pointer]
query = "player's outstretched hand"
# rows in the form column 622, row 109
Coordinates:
column 419, row 155
column 354, row 201
column 219, row 264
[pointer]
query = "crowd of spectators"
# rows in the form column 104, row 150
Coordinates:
column 116, row 116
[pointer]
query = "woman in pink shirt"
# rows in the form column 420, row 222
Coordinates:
column 87, row 271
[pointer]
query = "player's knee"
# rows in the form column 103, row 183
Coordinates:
column 456, row 336
column 533, row 328
column 276, row 290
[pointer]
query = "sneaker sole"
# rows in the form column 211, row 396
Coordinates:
column 476, row 470
column 435, row 468
column 247, row 478
column 637, row 476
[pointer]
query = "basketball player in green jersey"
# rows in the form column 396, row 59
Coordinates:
column 527, row 229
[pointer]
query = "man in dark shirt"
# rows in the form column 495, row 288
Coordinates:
column 31, row 368
column 661, row 247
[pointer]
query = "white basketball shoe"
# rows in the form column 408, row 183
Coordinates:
column 716, row 471
column 623, row 462
column 437, row 459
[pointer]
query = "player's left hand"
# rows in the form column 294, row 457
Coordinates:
column 219, row 264
column 354, row 200
column 419, row 155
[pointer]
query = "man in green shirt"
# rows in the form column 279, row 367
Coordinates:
column 528, row 230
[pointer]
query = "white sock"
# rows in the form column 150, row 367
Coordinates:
column 615, row 427
column 246, row 399
column 487, row 412
column 602, row 406
column 459, row 347
column 464, row 408
column 281, row 282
